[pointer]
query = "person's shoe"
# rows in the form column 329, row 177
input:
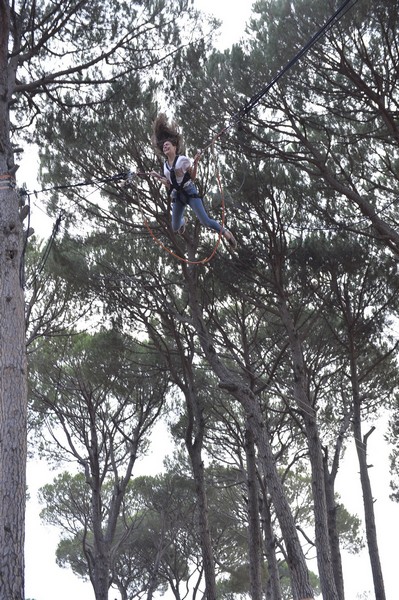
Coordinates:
column 182, row 227
column 231, row 239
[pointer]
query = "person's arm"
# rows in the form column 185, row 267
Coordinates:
column 160, row 177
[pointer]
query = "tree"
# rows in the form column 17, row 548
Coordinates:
column 58, row 52
column 358, row 110
column 100, row 412
column 13, row 372
column 158, row 532
column 363, row 292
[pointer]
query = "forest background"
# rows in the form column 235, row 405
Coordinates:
column 322, row 228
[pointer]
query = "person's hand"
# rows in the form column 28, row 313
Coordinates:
column 158, row 176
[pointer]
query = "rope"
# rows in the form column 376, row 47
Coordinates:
column 118, row 177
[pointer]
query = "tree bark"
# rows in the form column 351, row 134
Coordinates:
column 368, row 503
column 13, row 402
column 254, row 533
column 324, row 558
column 13, row 371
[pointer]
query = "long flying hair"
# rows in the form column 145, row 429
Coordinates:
column 163, row 130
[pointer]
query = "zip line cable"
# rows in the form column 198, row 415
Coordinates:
column 339, row 13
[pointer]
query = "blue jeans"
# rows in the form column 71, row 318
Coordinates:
column 196, row 204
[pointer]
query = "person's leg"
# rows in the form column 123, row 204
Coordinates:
column 195, row 202
column 177, row 215
column 198, row 207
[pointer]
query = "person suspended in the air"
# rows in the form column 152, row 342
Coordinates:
column 178, row 177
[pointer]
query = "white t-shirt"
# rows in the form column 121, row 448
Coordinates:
column 182, row 165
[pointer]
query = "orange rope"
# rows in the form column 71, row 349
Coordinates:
column 202, row 261
column 8, row 185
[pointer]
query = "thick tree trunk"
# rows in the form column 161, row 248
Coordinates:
column 13, row 372
column 13, row 401
column 101, row 571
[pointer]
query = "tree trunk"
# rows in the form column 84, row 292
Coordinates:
column 152, row 581
column 101, row 562
column 324, row 558
column 301, row 588
column 273, row 590
column 13, row 372
column 254, row 532
column 368, row 503
column 194, row 438
column 333, row 533
column 100, row 576
column 13, row 401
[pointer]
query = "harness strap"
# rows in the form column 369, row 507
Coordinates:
column 182, row 194
column 179, row 187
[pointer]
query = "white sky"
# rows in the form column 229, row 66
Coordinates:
column 46, row 581
column 232, row 13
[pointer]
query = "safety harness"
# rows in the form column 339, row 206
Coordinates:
column 182, row 194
